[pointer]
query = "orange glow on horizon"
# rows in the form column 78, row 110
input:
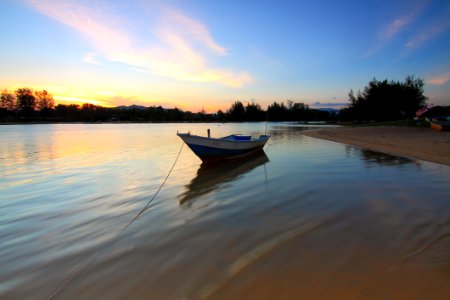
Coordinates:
column 209, row 107
column 80, row 101
column 105, row 102
column 106, row 95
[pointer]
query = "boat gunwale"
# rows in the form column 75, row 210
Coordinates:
column 259, row 139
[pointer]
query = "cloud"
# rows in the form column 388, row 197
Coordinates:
column 108, row 94
column 429, row 33
column 178, row 22
column 395, row 27
column 90, row 58
column 178, row 47
column 439, row 79
column 400, row 23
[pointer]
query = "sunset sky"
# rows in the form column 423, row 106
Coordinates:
column 207, row 54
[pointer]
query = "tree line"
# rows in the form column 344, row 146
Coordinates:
column 26, row 105
column 378, row 101
column 386, row 100
column 25, row 101
column 291, row 111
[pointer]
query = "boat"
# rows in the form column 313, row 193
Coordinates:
column 440, row 125
column 231, row 146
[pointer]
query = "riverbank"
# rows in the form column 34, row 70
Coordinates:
column 419, row 143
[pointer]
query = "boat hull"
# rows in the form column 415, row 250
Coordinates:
column 210, row 149
column 440, row 126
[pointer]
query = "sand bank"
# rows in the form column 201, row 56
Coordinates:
column 419, row 143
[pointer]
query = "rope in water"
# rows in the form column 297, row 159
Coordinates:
column 86, row 263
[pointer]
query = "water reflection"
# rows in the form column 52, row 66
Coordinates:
column 212, row 175
column 329, row 221
column 378, row 158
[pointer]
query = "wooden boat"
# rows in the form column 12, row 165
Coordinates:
column 440, row 125
column 210, row 149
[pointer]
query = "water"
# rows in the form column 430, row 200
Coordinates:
column 307, row 219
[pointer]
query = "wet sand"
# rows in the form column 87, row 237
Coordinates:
column 419, row 143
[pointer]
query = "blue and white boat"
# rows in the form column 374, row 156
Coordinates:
column 210, row 149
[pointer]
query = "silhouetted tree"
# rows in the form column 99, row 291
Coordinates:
column 88, row 112
column 45, row 103
column 7, row 100
column 386, row 100
column 254, row 112
column 221, row 117
column 175, row 115
column 158, row 114
column 298, row 111
column 236, row 112
column 26, row 101
column 68, row 113
column 277, row 112
column 44, row 100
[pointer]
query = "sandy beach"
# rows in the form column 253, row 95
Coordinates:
column 419, row 143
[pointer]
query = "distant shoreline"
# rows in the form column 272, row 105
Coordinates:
column 419, row 143
column 121, row 122
column 317, row 123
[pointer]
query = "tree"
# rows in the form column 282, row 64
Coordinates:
column 297, row 111
column 7, row 100
column 386, row 100
column 277, row 112
column 45, row 103
column 44, row 100
column 221, row 117
column 26, row 101
column 254, row 112
column 88, row 112
column 236, row 112
column 413, row 89
column 69, row 112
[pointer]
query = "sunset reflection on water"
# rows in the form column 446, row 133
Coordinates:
column 305, row 218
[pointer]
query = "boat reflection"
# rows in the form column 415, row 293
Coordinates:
column 211, row 175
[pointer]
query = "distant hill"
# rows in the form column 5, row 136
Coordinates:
column 133, row 106
column 330, row 110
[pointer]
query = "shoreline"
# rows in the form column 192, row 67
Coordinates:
column 419, row 143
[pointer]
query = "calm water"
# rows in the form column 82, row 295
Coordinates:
column 307, row 219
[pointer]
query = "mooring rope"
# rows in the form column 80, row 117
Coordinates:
column 78, row 271
column 267, row 147
column 159, row 189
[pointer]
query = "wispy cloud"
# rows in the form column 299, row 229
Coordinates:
column 91, row 58
column 108, row 94
column 179, row 47
column 395, row 27
column 429, row 33
column 439, row 79
column 174, row 21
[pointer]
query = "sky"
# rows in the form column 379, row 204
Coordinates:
column 198, row 55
